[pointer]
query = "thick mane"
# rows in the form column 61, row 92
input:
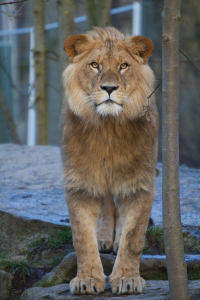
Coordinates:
column 105, row 34
column 108, row 47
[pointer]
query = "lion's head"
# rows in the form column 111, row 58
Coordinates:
column 108, row 74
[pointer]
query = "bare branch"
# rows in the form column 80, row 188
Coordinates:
column 155, row 89
column 9, row 120
column 159, row 60
column 189, row 60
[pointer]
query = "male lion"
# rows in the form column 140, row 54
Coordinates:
column 109, row 145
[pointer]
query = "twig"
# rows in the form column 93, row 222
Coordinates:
column 9, row 120
column 10, row 79
column 159, row 60
column 189, row 60
column 3, row 3
column 155, row 89
column 152, row 8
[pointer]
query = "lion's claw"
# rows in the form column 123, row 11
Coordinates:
column 104, row 246
column 128, row 285
column 86, row 286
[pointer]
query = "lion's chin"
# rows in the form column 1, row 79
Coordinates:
column 106, row 109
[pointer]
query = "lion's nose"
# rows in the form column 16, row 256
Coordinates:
column 109, row 89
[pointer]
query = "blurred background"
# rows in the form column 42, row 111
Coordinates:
column 19, row 39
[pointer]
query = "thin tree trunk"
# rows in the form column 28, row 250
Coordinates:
column 98, row 13
column 40, row 72
column 9, row 120
column 176, row 266
column 66, row 28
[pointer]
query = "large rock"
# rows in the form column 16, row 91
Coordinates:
column 155, row 290
column 151, row 266
column 5, row 284
column 17, row 233
column 67, row 269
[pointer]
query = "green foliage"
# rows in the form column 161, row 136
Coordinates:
column 147, row 250
column 155, row 231
column 36, row 243
column 2, row 256
column 62, row 238
column 15, row 267
column 43, row 283
column 54, row 242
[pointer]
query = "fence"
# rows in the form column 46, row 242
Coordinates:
column 136, row 28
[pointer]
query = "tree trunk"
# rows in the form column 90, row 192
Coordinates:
column 176, row 266
column 98, row 13
column 40, row 72
column 66, row 28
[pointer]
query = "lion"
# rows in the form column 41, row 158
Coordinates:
column 109, row 149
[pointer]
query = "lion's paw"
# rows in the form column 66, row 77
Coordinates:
column 115, row 248
column 104, row 246
column 128, row 285
column 86, row 286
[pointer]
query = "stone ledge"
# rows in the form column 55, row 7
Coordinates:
column 155, row 290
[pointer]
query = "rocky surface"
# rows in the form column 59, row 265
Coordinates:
column 5, row 284
column 31, row 183
column 32, row 187
column 33, row 206
column 151, row 266
column 155, row 290
column 18, row 233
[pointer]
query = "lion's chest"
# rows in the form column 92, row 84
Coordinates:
column 105, row 161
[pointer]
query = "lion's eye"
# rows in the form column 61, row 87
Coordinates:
column 124, row 66
column 95, row 65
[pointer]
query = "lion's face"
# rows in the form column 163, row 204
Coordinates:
column 108, row 74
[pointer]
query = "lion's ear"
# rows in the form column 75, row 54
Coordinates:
column 141, row 46
column 75, row 45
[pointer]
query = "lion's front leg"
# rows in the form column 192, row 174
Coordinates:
column 84, row 212
column 106, row 224
column 134, row 215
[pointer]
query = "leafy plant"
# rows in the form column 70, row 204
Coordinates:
column 155, row 231
column 63, row 237
column 16, row 267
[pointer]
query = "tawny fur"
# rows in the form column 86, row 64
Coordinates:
column 109, row 149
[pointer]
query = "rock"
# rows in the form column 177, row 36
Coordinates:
column 18, row 233
column 64, row 272
column 39, row 293
column 31, row 183
column 191, row 243
column 5, row 284
column 38, row 257
column 151, row 267
column 155, row 290
column 67, row 269
column 32, row 186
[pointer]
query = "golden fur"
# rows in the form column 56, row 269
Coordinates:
column 109, row 145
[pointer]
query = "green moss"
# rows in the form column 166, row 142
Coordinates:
column 156, row 276
column 42, row 283
column 65, row 236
